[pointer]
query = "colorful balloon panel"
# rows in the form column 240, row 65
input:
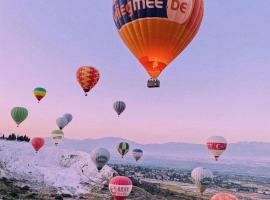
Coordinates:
column 87, row 78
column 157, row 31
column 40, row 93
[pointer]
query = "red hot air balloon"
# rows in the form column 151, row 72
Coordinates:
column 87, row 78
column 217, row 145
column 120, row 187
column 37, row 143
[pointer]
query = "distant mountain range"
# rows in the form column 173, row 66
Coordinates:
column 177, row 150
column 249, row 158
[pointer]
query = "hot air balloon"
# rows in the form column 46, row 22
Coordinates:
column 137, row 154
column 68, row 117
column 119, row 107
column 123, row 148
column 39, row 93
column 157, row 32
column 100, row 157
column 61, row 122
column 19, row 114
column 37, row 143
column 57, row 136
column 87, row 78
column 202, row 178
column 217, row 145
column 120, row 187
column 224, row 196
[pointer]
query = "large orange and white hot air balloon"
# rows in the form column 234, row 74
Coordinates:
column 157, row 31
column 217, row 145
column 87, row 78
column 224, row 196
column 120, row 187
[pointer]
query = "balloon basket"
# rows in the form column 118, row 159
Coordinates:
column 153, row 83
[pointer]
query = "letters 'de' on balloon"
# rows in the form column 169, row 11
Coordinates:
column 157, row 31
column 87, row 78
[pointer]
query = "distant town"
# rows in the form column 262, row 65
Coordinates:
column 245, row 187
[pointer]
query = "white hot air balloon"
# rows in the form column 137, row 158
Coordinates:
column 216, row 145
column 202, row 178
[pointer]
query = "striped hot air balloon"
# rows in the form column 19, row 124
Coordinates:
column 217, row 145
column 224, row 196
column 119, row 107
column 39, row 93
column 120, row 187
column 19, row 114
column 123, row 148
column 157, row 31
column 202, row 178
column 87, row 78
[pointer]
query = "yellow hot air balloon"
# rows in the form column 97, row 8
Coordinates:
column 157, row 31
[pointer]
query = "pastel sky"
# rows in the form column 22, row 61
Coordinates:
column 220, row 85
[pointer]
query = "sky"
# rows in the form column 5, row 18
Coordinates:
column 218, row 86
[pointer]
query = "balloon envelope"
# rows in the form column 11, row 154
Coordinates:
column 224, row 196
column 119, row 107
column 202, row 178
column 37, row 143
column 120, row 187
column 19, row 114
column 123, row 148
column 87, row 78
column 137, row 154
column 39, row 93
column 100, row 157
column 216, row 145
column 68, row 117
column 157, row 32
column 61, row 122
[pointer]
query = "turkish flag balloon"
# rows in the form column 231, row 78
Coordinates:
column 216, row 145
column 157, row 32
column 120, row 187
column 87, row 78
column 37, row 143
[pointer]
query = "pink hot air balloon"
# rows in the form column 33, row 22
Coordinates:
column 224, row 196
column 37, row 143
column 120, row 187
column 217, row 145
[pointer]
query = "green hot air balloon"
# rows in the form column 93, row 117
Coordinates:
column 19, row 114
column 100, row 157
